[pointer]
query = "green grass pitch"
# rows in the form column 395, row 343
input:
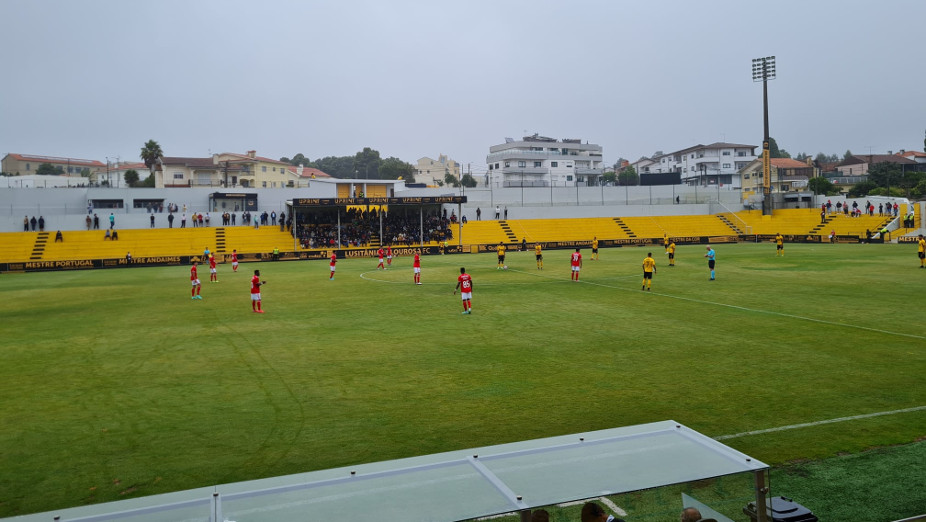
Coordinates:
column 114, row 383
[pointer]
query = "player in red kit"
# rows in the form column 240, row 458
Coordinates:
column 576, row 265
column 234, row 260
column 389, row 256
column 213, row 275
column 194, row 278
column 334, row 260
column 380, row 265
column 465, row 284
column 416, row 267
column 255, row 292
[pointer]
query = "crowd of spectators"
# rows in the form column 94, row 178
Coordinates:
column 320, row 229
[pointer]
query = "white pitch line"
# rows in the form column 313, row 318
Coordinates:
column 819, row 423
column 758, row 311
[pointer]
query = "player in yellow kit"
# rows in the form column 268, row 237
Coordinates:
column 671, row 253
column 649, row 268
column 921, row 251
column 779, row 245
column 595, row 248
column 537, row 251
column 500, row 250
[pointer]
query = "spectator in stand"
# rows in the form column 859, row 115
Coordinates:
column 115, row 235
column 151, row 218
column 112, row 220
column 41, row 224
column 107, row 236
column 96, row 222
column 170, row 220
column 89, row 221
column 33, row 222
column 59, row 237
column 26, row 224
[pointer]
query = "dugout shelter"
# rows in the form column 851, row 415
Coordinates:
column 463, row 485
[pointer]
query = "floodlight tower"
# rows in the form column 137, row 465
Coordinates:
column 763, row 70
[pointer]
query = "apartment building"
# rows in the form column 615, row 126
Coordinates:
column 430, row 171
column 704, row 165
column 539, row 161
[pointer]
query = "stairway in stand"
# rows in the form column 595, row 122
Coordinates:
column 507, row 230
column 40, row 241
column 220, row 240
column 816, row 230
column 730, row 224
column 374, row 241
column 624, row 227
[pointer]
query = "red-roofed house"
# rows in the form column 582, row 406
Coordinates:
column 858, row 164
column 915, row 155
column 23, row 164
column 308, row 173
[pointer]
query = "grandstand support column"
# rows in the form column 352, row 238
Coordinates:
column 460, row 224
column 421, row 226
column 338, row 210
column 381, row 238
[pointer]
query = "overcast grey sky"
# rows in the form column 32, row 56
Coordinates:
column 97, row 78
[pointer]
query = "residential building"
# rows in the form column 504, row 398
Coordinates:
column 191, row 172
column 915, row 155
column 23, row 164
column 225, row 170
column 541, row 161
column 715, row 164
column 254, row 170
column 306, row 174
column 113, row 175
column 787, row 175
column 431, row 171
column 858, row 164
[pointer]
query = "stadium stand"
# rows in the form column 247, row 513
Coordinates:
column 140, row 242
column 80, row 245
column 807, row 222
column 17, row 246
column 484, row 232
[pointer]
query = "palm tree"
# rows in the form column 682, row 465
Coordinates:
column 151, row 154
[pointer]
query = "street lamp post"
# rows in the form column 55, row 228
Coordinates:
column 763, row 70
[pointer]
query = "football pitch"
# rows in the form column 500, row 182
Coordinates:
column 116, row 384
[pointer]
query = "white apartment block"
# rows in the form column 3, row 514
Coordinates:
column 538, row 161
column 704, row 165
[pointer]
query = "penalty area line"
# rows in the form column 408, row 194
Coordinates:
column 820, row 423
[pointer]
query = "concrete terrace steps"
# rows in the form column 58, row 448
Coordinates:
column 807, row 222
column 41, row 241
column 16, row 246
